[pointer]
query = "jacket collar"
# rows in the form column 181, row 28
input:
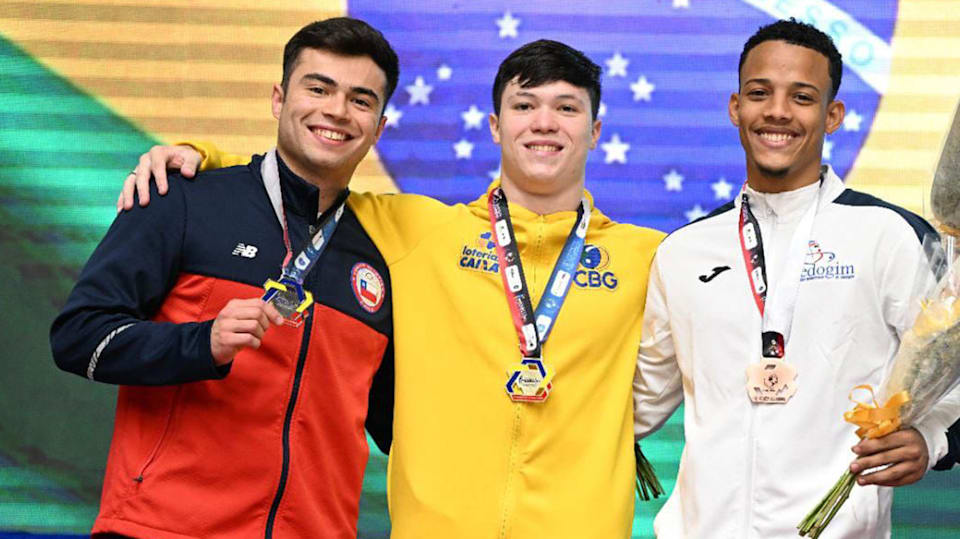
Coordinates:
column 832, row 184
column 519, row 213
column 300, row 197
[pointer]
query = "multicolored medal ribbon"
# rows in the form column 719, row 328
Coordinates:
column 286, row 293
column 772, row 380
column 530, row 380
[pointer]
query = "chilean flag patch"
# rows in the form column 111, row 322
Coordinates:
column 367, row 286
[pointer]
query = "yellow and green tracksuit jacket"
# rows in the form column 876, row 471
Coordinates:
column 466, row 462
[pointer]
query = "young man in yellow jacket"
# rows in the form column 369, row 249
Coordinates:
column 513, row 414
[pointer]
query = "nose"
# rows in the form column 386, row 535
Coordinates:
column 335, row 107
column 543, row 120
column 777, row 108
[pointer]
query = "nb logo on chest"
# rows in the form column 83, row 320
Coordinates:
column 244, row 250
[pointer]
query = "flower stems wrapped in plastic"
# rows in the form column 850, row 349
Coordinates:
column 925, row 369
column 647, row 483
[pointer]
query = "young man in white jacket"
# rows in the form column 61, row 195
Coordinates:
column 762, row 316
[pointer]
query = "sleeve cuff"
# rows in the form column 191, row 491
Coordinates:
column 210, row 157
column 935, row 436
column 216, row 372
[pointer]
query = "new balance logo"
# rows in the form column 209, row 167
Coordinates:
column 244, row 250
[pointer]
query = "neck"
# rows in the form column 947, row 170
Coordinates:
column 765, row 182
column 543, row 203
column 328, row 184
column 327, row 198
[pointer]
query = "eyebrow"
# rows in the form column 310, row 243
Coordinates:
column 522, row 93
column 797, row 83
column 330, row 82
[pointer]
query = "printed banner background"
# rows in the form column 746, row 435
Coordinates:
column 88, row 85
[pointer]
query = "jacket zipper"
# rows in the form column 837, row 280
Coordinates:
column 508, row 487
column 751, row 462
column 755, row 408
column 291, row 404
column 508, row 490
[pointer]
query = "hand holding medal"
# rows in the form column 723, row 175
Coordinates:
column 289, row 299
column 240, row 324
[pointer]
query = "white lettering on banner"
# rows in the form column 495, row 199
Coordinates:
column 513, row 278
column 560, row 284
column 302, row 261
column 543, row 322
column 749, row 236
column 318, row 241
column 758, row 281
column 503, row 233
column 863, row 51
column 530, row 336
column 582, row 228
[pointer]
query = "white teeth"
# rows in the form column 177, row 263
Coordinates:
column 544, row 148
column 776, row 137
column 332, row 135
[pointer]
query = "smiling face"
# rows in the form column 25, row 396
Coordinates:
column 329, row 115
column 782, row 111
column 545, row 133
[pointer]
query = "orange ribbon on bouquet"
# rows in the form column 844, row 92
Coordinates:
column 875, row 420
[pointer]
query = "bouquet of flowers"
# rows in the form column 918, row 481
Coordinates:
column 926, row 368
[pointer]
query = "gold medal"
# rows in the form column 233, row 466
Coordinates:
column 529, row 381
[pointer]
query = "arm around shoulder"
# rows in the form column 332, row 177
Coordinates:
column 213, row 158
column 397, row 223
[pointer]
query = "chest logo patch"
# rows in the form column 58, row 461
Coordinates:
column 480, row 255
column 245, row 250
column 593, row 273
column 367, row 286
column 820, row 265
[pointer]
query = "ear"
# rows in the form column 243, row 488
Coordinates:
column 494, row 121
column 381, row 126
column 595, row 134
column 276, row 100
column 733, row 109
column 836, row 110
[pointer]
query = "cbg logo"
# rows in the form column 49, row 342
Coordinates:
column 592, row 274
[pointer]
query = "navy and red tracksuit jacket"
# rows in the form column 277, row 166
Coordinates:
column 272, row 445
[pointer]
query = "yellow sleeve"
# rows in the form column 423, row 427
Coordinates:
column 395, row 223
column 398, row 223
column 213, row 158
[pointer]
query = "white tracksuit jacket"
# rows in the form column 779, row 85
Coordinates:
column 754, row 471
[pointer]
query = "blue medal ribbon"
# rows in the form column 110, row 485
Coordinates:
column 287, row 292
column 534, row 326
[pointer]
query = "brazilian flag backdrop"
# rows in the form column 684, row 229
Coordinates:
column 88, row 85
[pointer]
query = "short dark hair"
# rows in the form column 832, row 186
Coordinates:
column 346, row 36
column 802, row 34
column 546, row 61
